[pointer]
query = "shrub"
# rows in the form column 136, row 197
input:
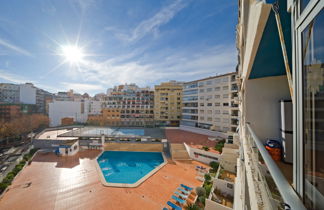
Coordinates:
column 192, row 207
column 207, row 177
column 200, row 191
column 7, row 180
column 219, row 147
column 205, row 148
column 3, row 186
column 208, row 188
column 10, row 176
column 202, row 199
column 214, row 165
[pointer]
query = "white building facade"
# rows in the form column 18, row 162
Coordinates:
column 211, row 103
column 78, row 110
column 27, row 93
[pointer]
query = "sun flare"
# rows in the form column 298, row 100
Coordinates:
column 72, row 54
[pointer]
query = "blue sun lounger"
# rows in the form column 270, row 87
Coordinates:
column 181, row 195
column 178, row 199
column 183, row 190
column 173, row 206
column 186, row 187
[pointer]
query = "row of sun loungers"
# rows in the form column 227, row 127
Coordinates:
column 181, row 196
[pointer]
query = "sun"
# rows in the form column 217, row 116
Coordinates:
column 72, row 54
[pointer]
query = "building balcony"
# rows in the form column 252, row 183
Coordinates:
column 266, row 182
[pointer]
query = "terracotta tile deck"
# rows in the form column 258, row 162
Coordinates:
column 73, row 183
column 180, row 136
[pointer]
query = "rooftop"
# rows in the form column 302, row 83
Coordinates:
column 52, row 182
column 181, row 136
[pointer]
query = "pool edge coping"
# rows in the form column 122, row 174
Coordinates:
column 136, row 184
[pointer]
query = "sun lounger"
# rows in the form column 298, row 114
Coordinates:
column 186, row 187
column 179, row 200
column 183, row 191
column 173, row 206
column 181, row 195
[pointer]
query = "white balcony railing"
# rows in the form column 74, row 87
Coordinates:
column 259, row 158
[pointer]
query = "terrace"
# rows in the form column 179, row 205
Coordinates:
column 52, row 182
column 226, row 175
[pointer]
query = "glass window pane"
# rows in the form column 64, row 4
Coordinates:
column 313, row 112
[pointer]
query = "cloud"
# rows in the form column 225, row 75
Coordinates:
column 182, row 66
column 14, row 48
column 11, row 77
column 152, row 24
column 82, row 87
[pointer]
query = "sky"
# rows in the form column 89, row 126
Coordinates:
column 136, row 41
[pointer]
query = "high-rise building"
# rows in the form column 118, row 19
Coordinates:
column 211, row 103
column 136, row 105
column 168, row 103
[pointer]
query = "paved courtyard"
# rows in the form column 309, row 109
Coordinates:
column 52, row 182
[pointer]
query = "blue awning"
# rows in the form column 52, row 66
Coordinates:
column 269, row 59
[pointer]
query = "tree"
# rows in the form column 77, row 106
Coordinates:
column 200, row 191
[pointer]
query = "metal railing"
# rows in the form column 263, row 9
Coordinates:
column 288, row 194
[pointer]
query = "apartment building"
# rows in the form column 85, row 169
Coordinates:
column 168, row 103
column 276, row 39
column 189, row 116
column 25, row 94
column 211, row 103
column 136, row 105
column 9, row 93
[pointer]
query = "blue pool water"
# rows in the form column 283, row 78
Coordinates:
column 128, row 167
column 114, row 131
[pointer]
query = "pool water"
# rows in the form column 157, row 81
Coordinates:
column 128, row 167
column 114, row 131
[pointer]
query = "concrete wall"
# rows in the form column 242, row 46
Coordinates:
column 203, row 131
column 71, row 151
column 222, row 186
column 72, row 109
column 145, row 147
column 27, row 94
column 262, row 105
column 200, row 158
column 211, row 205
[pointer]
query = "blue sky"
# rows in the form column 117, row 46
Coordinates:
column 143, row 42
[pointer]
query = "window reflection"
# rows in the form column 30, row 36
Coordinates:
column 313, row 112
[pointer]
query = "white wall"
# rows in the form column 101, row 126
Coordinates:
column 202, row 159
column 27, row 94
column 222, row 186
column 262, row 108
column 62, row 109
column 211, row 205
column 71, row 150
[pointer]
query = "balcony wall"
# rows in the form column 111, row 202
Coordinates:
column 262, row 109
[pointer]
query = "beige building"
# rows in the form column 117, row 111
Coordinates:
column 168, row 103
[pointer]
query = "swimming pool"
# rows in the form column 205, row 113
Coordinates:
column 113, row 131
column 128, row 169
